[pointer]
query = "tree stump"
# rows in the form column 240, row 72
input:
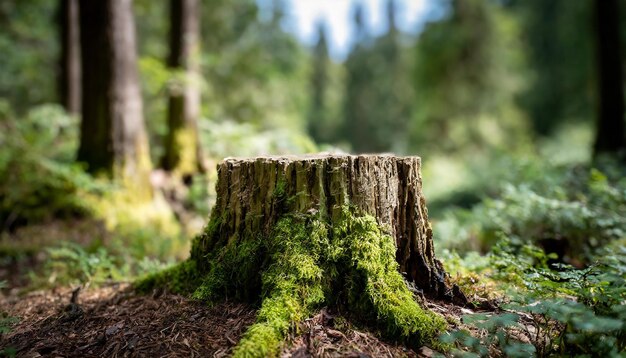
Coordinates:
column 253, row 193
column 303, row 232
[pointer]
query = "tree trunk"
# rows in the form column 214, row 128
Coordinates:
column 69, row 76
column 182, row 150
column 610, row 131
column 253, row 194
column 113, row 138
column 318, row 113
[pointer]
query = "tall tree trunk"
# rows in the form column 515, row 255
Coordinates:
column 70, row 68
column 610, row 133
column 113, row 138
column 182, row 149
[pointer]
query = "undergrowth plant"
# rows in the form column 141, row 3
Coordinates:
column 6, row 322
column 555, row 257
column 559, row 309
column 41, row 185
column 569, row 211
column 39, row 179
column 72, row 264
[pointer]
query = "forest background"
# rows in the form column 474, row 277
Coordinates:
column 516, row 108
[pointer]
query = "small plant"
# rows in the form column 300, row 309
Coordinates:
column 198, row 195
column 40, row 180
column 558, row 309
column 495, row 332
column 70, row 263
column 6, row 322
column 571, row 212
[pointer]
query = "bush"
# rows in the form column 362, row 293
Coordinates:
column 554, row 240
column 568, row 211
column 37, row 178
column 559, row 310
column 6, row 322
column 40, row 182
column 72, row 264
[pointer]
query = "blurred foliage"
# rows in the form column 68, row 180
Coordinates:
column 564, row 311
column 233, row 139
column 554, row 242
column 39, row 180
column 325, row 107
column 570, row 211
column 254, row 73
column 559, row 43
column 379, row 95
column 29, row 49
column 140, row 228
column 41, row 183
column 481, row 74
column 469, row 69
column 72, row 264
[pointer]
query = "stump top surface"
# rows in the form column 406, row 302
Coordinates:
column 317, row 156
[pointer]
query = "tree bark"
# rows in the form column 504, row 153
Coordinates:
column 182, row 149
column 70, row 68
column 610, row 127
column 113, row 138
column 387, row 187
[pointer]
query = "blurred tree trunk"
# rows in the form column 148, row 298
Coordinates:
column 69, row 76
column 182, row 148
column 610, row 122
column 113, row 138
column 319, row 85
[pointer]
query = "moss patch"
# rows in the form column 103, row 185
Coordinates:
column 303, row 265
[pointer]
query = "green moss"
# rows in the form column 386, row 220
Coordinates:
column 304, row 264
column 233, row 273
column 378, row 287
column 199, row 246
column 186, row 140
column 280, row 191
column 291, row 285
column 182, row 278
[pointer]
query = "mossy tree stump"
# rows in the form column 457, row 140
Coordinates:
column 307, row 231
column 253, row 194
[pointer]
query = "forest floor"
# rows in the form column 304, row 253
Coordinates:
column 114, row 321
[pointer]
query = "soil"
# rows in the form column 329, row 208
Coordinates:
column 113, row 321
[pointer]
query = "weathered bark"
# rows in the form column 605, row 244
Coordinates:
column 610, row 127
column 182, row 149
column 70, row 69
column 252, row 194
column 113, row 138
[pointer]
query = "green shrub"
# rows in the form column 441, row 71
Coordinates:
column 71, row 264
column 38, row 180
column 566, row 311
column 571, row 212
column 555, row 254
column 6, row 322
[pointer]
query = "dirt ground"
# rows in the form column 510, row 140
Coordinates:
column 113, row 321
